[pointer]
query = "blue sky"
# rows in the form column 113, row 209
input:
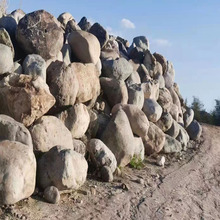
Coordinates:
column 186, row 32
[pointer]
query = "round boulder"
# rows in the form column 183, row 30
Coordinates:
column 6, row 59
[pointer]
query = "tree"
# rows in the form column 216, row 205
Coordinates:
column 216, row 113
column 197, row 107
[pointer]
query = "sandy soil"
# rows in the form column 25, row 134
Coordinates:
column 187, row 188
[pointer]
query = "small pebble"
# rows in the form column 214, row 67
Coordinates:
column 141, row 181
column 52, row 194
column 161, row 161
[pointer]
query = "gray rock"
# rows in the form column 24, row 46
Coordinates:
column 119, row 69
column 136, row 53
column 85, row 46
column 118, row 137
column 183, row 137
column 6, row 40
column 48, row 132
column 106, row 174
column 100, row 33
column 151, row 89
column 79, row 147
column 143, row 72
column 154, row 141
column 165, row 99
column 142, row 42
column 14, row 131
column 6, row 59
column 161, row 82
column 76, row 119
column 188, row 117
column 84, row 24
column 17, row 171
column 18, row 68
column 152, row 110
column 174, row 129
column 66, row 51
column 136, row 95
column 162, row 60
column 52, row 194
column 59, row 77
column 139, row 150
column 149, row 62
column 9, row 23
column 18, row 14
column 34, row 65
column 63, row 168
column 134, row 78
column 194, row 130
column 101, row 155
column 165, row 122
column 115, row 91
column 64, row 18
column 31, row 100
column 171, row 145
column 40, row 33
column 169, row 75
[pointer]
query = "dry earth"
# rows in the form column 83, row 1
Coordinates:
column 187, row 188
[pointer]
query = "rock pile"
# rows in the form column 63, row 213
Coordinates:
column 72, row 96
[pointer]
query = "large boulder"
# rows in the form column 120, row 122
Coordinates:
column 165, row 99
column 136, row 95
column 40, row 33
column 119, row 69
column 138, row 120
column 85, row 46
column 154, row 141
column 149, row 62
column 25, row 98
column 169, row 75
column 171, row 145
column 64, row 18
column 142, row 42
column 183, row 137
column 119, row 138
column 34, row 65
column 17, row 171
column 194, row 130
column 84, row 24
column 6, row 40
column 152, row 110
column 188, row 117
column 139, row 150
column 101, row 155
column 100, row 33
column 14, row 131
column 6, row 59
column 62, row 168
column 49, row 131
column 134, row 78
column 76, row 119
column 89, row 85
column 165, row 122
column 63, row 83
column 174, row 129
column 162, row 60
column 115, row 91
column 9, row 23
column 151, row 90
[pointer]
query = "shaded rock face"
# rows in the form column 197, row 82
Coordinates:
column 25, row 98
column 14, row 131
column 40, row 33
column 48, row 132
column 171, row 145
column 119, row 138
column 62, row 168
column 194, row 130
column 17, row 172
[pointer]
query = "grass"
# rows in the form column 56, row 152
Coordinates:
column 136, row 162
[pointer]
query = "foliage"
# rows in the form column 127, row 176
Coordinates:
column 136, row 162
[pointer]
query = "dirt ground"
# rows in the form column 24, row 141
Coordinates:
column 187, row 188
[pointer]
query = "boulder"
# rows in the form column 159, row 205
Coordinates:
column 18, row 68
column 194, row 130
column 79, row 147
column 100, row 33
column 136, row 53
column 165, row 122
column 106, row 174
column 84, row 24
column 154, row 141
column 52, row 194
column 18, row 14
column 17, row 171
column 115, row 91
column 101, row 155
column 85, row 46
column 119, row 69
column 188, row 117
column 162, row 60
column 34, row 65
column 63, row 168
column 89, row 85
column 6, row 40
column 40, row 33
column 143, row 72
column 6, row 59
column 151, row 90
column 171, row 145
column 161, row 82
column 138, row 120
column 136, row 95
column 174, row 129
column 64, row 18
column 174, row 111
column 49, row 131
column 134, row 78
column 169, row 75
column 66, row 52
column 63, row 84
column 76, row 119
column 183, row 137
column 149, row 62
column 152, row 110
column 9, row 23
column 119, row 138
column 25, row 98
column 139, row 150
column 142, row 42
column 14, row 131
column 165, row 99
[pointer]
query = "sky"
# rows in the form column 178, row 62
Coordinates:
column 186, row 32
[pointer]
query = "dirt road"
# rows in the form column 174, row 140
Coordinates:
column 187, row 188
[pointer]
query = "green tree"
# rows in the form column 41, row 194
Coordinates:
column 216, row 113
column 197, row 107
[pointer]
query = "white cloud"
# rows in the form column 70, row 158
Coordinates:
column 127, row 24
column 161, row 42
